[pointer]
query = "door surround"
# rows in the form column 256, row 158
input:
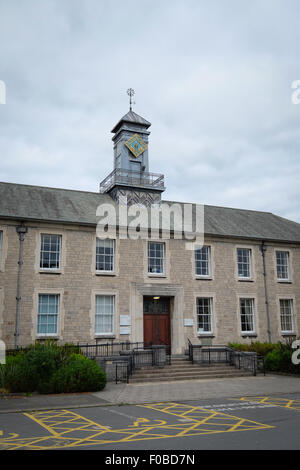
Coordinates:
column 157, row 320
column 175, row 291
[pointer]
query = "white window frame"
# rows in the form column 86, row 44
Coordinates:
column 249, row 250
column 163, row 273
column 283, row 279
column 291, row 315
column 49, row 269
column 252, row 300
column 113, row 242
column 39, row 314
column 112, row 314
column 202, row 332
column 208, row 275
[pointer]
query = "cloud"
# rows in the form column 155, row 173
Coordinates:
column 214, row 78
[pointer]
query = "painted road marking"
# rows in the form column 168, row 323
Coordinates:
column 275, row 401
column 237, row 406
column 69, row 429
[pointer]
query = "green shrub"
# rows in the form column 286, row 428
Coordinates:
column 280, row 359
column 35, row 369
column 18, row 374
column 260, row 348
column 79, row 374
column 43, row 362
column 278, row 356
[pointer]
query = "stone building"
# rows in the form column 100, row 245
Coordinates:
column 58, row 279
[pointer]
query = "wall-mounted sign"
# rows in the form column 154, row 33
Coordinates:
column 125, row 330
column 188, row 322
column 125, row 320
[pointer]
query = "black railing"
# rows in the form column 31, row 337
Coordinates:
column 89, row 350
column 107, row 349
column 132, row 178
column 250, row 361
column 122, row 371
column 150, row 356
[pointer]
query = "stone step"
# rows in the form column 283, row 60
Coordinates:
column 198, row 373
column 179, row 357
column 189, row 368
column 178, row 378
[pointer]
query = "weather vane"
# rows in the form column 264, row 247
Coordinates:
column 130, row 93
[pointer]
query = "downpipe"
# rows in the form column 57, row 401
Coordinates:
column 263, row 249
column 21, row 231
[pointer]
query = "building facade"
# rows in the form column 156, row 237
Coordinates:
column 60, row 280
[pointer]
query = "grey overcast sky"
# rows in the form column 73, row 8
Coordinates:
column 213, row 77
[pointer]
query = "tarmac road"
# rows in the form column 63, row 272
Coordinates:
column 239, row 423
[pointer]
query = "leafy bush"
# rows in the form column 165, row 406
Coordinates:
column 278, row 356
column 41, row 367
column 260, row 348
column 18, row 374
column 79, row 374
column 280, row 360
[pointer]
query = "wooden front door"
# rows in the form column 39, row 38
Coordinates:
column 157, row 321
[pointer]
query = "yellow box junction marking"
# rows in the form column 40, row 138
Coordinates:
column 69, row 429
column 281, row 402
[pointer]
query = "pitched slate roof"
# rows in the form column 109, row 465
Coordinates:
column 134, row 118
column 36, row 203
column 243, row 223
column 20, row 201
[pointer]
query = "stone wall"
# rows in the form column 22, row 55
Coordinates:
column 78, row 283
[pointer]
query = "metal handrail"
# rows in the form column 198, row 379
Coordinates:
column 214, row 354
column 132, row 178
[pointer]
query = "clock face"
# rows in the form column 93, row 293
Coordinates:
column 136, row 145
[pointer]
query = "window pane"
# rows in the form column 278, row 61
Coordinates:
column 204, row 315
column 48, row 310
column 244, row 257
column 104, row 319
column 105, row 254
column 247, row 315
column 156, row 258
column 282, row 262
column 50, row 251
column 202, row 261
column 286, row 315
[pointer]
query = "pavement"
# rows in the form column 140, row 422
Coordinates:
column 121, row 394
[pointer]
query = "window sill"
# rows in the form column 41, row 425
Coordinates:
column 292, row 333
column 156, row 275
column 205, row 335
column 50, row 271
column 47, row 337
column 105, row 273
column 249, row 335
column 204, row 278
column 240, row 279
column 284, row 281
column 104, row 336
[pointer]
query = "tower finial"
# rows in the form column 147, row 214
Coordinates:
column 130, row 93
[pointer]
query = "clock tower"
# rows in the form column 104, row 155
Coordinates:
column 131, row 181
